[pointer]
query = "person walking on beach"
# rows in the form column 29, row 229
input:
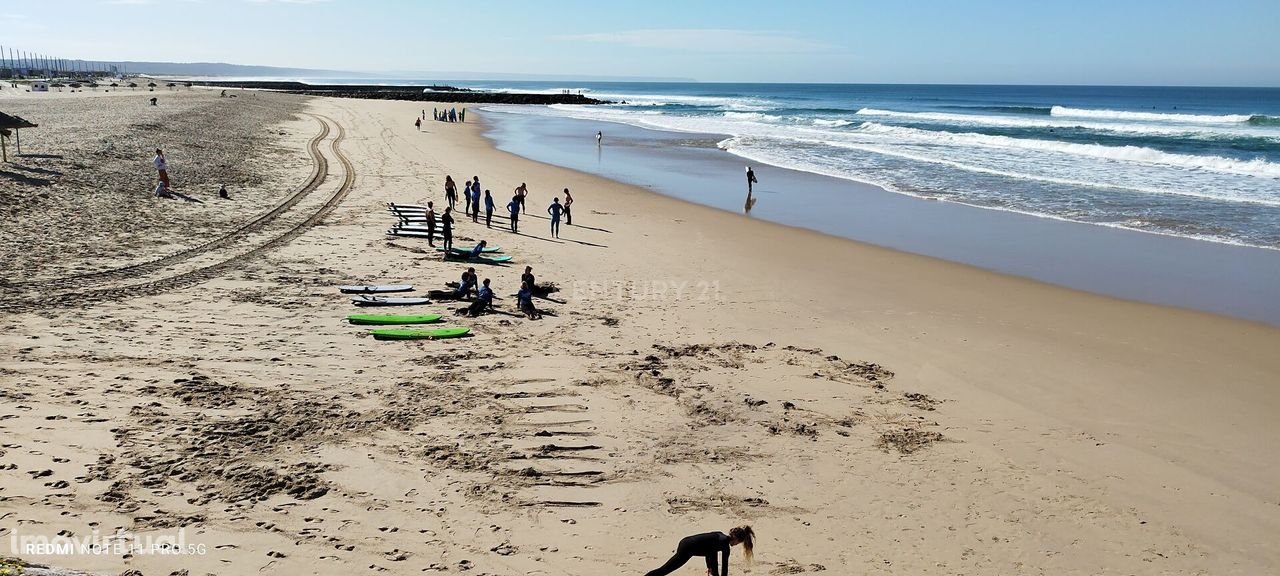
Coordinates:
column 568, row 202
column 417, row 123
column 450, row 191
column 555, row 209
column 488, row 210
column 431, row 225
column 514, row 208
column 599, row 138
column 162, row 166
column 751, row 179
column 446, row 230
column 709, row 546
column 522, row 193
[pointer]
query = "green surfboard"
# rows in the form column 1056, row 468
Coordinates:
column 392, row 319
column 485, row 250
column 411, row 334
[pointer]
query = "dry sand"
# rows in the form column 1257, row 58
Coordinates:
column 867, row 411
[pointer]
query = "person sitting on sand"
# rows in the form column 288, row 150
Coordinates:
column 478, row 249
column 222, row 192
column 709, row 545
column 162, row 189
column 457, row 290
column 468, row 283
column 484, row 301
column 513, row 207
column 431, row 224
column 527, row 278
column 525, row 300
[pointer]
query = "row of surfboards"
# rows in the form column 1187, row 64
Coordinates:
column 412, row 222
column 367, row 296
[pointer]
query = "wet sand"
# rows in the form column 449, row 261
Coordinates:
column 867, row 411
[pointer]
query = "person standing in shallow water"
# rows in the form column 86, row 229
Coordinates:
column 751, row 178
column 709, row 545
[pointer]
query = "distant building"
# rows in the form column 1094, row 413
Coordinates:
column 39, row 86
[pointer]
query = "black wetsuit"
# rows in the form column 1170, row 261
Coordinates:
column 446, row 230
column 707, row 545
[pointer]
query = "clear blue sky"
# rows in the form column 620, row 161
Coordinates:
column 1178, row 42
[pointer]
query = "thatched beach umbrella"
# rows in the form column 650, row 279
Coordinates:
column 133, row 84
column 11, row 124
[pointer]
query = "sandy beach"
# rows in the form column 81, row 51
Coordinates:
column 867, row 411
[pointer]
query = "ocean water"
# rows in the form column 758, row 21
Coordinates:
column 1202, row 163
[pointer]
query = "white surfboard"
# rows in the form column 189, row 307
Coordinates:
column 376, row 288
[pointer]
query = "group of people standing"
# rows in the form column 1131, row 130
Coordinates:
column 475, row 197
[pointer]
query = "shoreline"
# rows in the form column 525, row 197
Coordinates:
column 964, row 420
column 1144, row 266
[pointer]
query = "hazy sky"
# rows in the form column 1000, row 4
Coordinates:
column 1227, row 42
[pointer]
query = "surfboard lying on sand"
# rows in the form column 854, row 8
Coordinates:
column 413, row 217
column 414, row 233
column 376, row 288
column 412, row 334
column 481, row 260
column 418, row 207
column 390, row 319
column 384, row 301
column 486, row 250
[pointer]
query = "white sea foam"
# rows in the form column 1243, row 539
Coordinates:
column 1176, row 130
column 1138, row 154
column 1148, row 116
